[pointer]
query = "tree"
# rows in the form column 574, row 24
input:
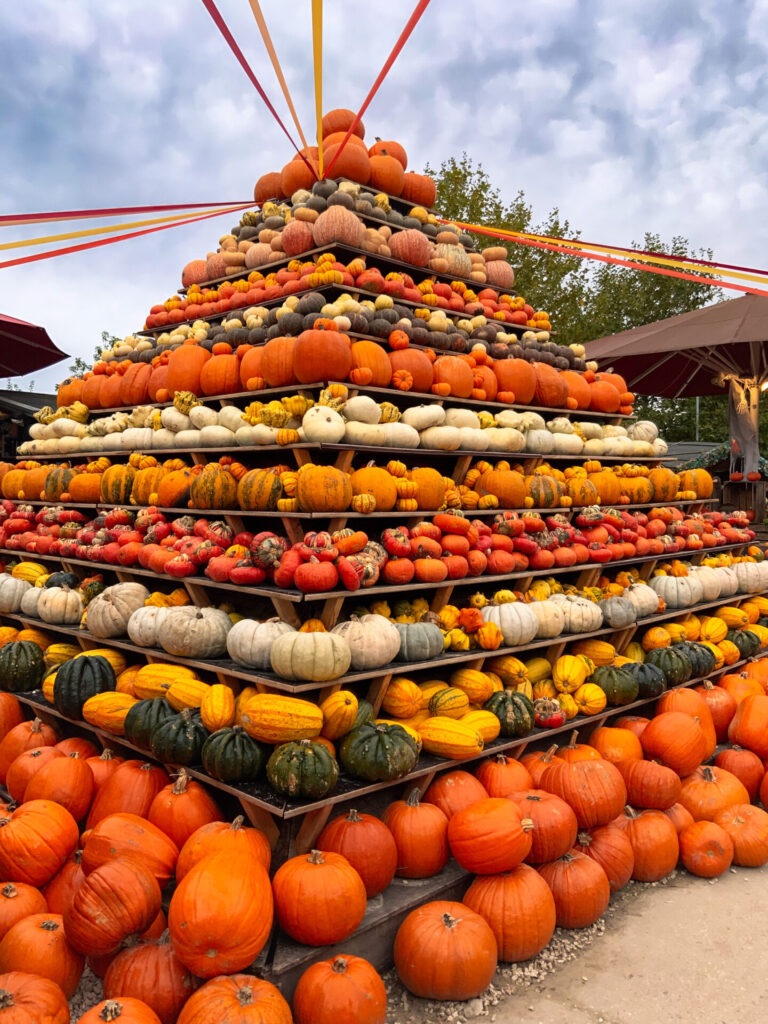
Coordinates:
column 587, row 299
column 80, row 366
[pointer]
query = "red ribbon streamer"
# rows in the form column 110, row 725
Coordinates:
column 621, row 263
column 421, row 6
column 221, row 25
column 32, row 218
column 116, row 238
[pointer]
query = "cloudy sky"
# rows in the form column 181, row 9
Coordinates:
column 630, row 115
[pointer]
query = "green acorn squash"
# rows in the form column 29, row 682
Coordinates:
column 302, row 770
column 231, row 755
column 650, row 679
column 143, row 718
column 78, row 680
column 378, row 753
column 619, row 686
column 179, row 740
column 672, row 662
column 22, row 667
column 747, row 642
column 513, row 710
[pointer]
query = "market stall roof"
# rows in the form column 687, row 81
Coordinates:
column 23, row 403
column 691, row 354
column 25, row 348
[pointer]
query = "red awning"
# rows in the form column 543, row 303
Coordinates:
column 25, row 348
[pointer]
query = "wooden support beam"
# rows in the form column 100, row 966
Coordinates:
column 442, row 597
column 312, row 824
column 293, row 529
column 344, row 460
column 302, row 456
column 330, row 613
column 260, row 819
column 286, row 610
column 376, row 691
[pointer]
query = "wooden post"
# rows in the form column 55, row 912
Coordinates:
column 312, row 824
column 260, row 819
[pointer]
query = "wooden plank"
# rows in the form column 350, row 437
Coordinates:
column 646, row 569
column 312, row 825
column 374, row 939
column 261, row 820
column 301, row 456
column 286, row 611
column 442, row 597
column 345, row 459
column 376, row 691
column 293, row 530
column 461, row 467
column 329, row 616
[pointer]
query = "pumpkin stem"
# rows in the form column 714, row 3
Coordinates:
column 534, row 799
column 49, row 926
column 238, row 822
column 315, row 857
column 550, row 753
column 9, row 891
column 630, row 812
column 527, row 825
column 180, row 785
column 112, row 1010
column 584, row 839
column 567, row 857
column 6, row 999
column 36, row 726
column 107, row 754
column 339, row 965
column 707, row 774
column 353, row 816
column 573, row 741
column 414, row 797
column 245, row 995
column 708, row 685
column 501, row 759
column 449, row 922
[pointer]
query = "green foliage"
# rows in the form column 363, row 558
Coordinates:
column 80, row 366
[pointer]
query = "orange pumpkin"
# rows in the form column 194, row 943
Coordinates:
column 517, row 376
column 369, row 355
column 185, row 365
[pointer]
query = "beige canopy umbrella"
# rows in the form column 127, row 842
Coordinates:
column 701, row 353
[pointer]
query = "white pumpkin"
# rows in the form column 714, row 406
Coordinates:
column 94, row 444
column 29, row 602
column 231, row 417
column 518, row 623
column 560, row 425
column 400, row 435
column 642, row 449
column 473, row 440
column 113, row 441
column 187, row 439
column 145, row 624
column 462, row 418
column 643, row 430
column 504, row 439
column 581, row 615
column 363, row 409
column 249, row 642
column 65, row 427
column 710, row 580
column 510, row 418
column 421, row 417
column 164, row 438
column 618, row 612
column 594, row 446
column 567, row 444
column 729, row 581
column 40, row 431
column 323, row 424
column 541, row 442
column 11, row 593
column 60, row 606
column 136, row 439
column 310, row 657
column 216, row 437
column 532, row 421
column 109, row 612
column 201, row 416
column 67, row 445
column 613, row 430
column 244, row 435
column 195, row 632
column 372, row 639
column 262, row 434
column 644, row 598
column 445, row 439
column 678, row 591
column 174, row 420
column 660, row 447
column 620, row 446
column 590, row 430
column 750, row 577
column 551, row 618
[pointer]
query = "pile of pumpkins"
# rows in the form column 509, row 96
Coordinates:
column 548, row 840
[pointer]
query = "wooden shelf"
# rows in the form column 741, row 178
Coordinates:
column 364, row 595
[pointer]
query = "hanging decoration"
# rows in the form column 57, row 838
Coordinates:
column 260, row 21
column 317, row 52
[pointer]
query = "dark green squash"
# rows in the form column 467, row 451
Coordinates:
column 303, row 770
column 763, row 620
column 619, row 686
column 701, row 658
column 22, row 667
column 672, row 662
column 364, row 714
column 231, row 755
column 78, row 680
column 377, row 753
column 650, row 679
column 179, row 740
column 513, row 710
column 62, row 579
column 747, row 642
column 143, row 718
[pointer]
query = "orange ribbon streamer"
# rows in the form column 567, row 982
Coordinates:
column 257, row 13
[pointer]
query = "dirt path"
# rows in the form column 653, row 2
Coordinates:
column 685, row 951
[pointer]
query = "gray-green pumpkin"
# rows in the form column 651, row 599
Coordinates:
column 302, row 770
column 22, row 667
